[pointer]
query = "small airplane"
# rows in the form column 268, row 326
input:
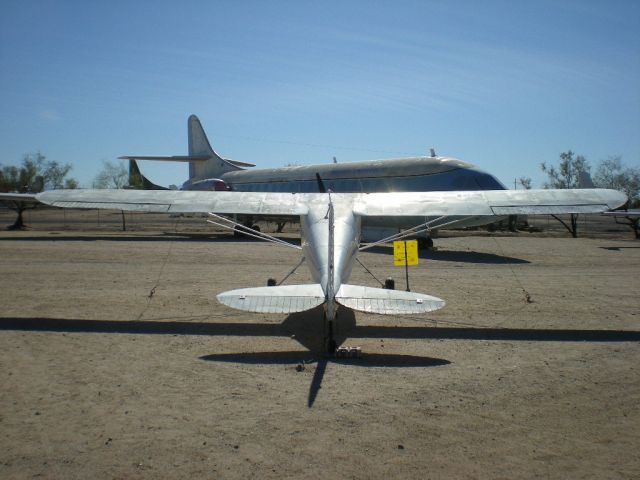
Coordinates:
column 415, row 195
column 331, row 225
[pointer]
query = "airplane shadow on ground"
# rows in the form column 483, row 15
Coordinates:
column 307, row 328
column 456, row 256
column 437, row 255
column 303, row 358
column 128, row 237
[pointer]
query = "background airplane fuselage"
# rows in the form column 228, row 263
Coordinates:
column 415, row 174
column 209, row 171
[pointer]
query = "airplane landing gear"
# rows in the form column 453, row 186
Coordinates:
column 425, row 243
column 330, row 343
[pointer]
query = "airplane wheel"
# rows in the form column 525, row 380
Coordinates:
column 425, row 243
column 271, row 282
column 255, row 227
column 331, row 342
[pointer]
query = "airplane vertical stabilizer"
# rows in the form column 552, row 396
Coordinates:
column 199, row 146
column 584, row 180
column 138, row 180
column 204, row 162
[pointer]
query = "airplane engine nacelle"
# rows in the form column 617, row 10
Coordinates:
column 220, row 186
column 209, row 184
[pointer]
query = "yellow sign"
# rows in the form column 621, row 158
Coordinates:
column 399, row 256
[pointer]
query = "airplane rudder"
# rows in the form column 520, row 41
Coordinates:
column 198, row 141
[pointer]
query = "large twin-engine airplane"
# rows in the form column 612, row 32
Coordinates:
column 331, row 233
column 210, row 171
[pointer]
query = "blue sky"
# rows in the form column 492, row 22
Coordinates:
column 502, row 84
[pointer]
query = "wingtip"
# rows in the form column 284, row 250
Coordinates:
column 618, row 199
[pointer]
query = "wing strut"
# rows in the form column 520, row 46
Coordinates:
column 238, row 227
column 423, row 227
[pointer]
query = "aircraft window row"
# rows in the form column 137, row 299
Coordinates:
column 452, row 180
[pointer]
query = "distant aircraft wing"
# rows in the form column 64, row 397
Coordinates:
column 18, row 197
column 489, row 202
column 18, row 201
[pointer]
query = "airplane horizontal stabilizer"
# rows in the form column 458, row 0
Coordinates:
column 386, row 302
column 173, row 158
column 238, row 163
column 280, row 299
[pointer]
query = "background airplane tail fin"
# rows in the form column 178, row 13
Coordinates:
column 138, row 181
column 210, row 164
column 199, row 145
column 204, row 162
column 585, row 181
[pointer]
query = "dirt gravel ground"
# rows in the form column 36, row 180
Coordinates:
column 116, row 361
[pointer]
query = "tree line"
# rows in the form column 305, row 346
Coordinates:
column 36, row 174
column 574, row 171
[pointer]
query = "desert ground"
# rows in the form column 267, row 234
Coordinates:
column 117, row 362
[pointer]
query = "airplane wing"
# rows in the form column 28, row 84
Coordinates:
column 451, row 203
column 489, row 202
column 178, row 201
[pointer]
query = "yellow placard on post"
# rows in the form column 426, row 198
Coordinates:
column 400, row 258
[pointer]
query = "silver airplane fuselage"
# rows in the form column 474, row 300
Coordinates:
column 330, row 241
column 414, row 174
column 209, row 171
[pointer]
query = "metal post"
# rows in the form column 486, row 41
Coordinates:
column 406, row 264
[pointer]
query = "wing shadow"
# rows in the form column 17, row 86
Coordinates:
column 297, row 328
column 305, row 328
column 457, row 256
column 164, row 237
